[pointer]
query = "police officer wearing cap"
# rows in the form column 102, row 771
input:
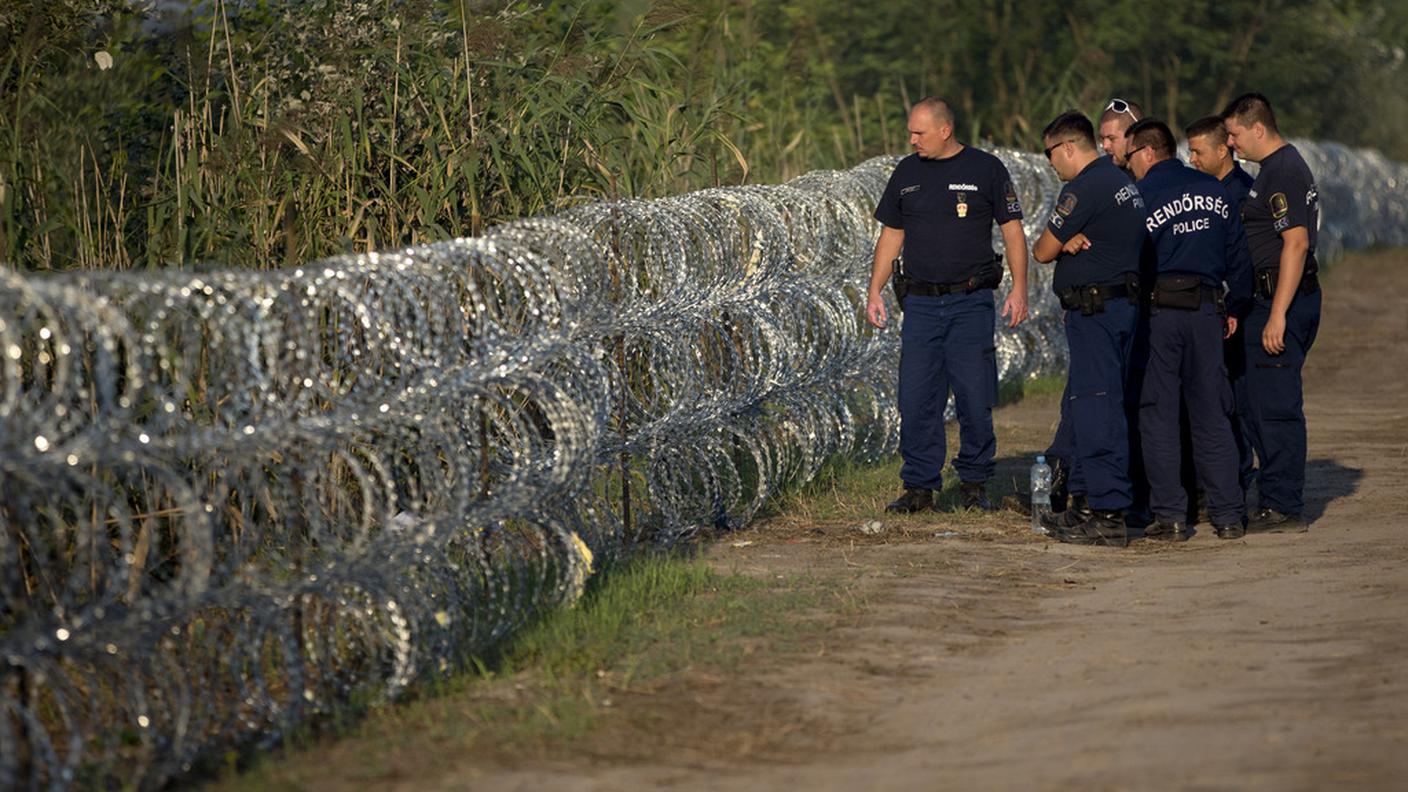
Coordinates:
column 1095, row 235
column 938, row 209
column 1281, row 216
column 1199, row 244
column 1208, row 152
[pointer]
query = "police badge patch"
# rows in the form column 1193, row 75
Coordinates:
column 1013, row 205
column 1067, row 205
column 1279, row 207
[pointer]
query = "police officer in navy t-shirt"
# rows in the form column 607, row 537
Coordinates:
column 938, row 209
column 1281, row 215
column 1208, row 152
column 1198, row 245
column 1095, row 235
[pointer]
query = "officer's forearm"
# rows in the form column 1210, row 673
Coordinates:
column 1014, row 241
column 887, row 249
column 1294, row 246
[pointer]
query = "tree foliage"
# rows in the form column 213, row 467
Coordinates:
column 263, row 133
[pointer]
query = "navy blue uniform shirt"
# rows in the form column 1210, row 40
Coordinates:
column 946, row 208
column 1282, row 197
column 1102, row 203
column 1194, row 230
column 1237, row 183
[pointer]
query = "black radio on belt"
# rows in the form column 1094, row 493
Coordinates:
column 1264, row 282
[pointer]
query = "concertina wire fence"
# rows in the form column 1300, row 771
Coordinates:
column 235, row 501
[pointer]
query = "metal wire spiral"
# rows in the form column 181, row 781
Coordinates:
column 234, row 501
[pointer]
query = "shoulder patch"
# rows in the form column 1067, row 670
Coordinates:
column 1010, row 195
column 1066, row 205
column 1279, row 207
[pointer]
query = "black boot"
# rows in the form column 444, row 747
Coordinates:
column 914, row 499
column 1167, row 531
column 974, row 495
column 1077, row 514
column 1271, row 521
column 1102, row 528
column 1229, row 531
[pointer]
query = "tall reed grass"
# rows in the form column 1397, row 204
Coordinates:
column 265, row 136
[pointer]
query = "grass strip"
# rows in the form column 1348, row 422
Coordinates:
column 558, row 684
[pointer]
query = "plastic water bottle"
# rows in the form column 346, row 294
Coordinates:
column 1041, row 492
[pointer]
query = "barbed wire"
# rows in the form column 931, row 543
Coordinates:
column 235, row 501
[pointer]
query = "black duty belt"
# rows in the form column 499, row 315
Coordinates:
column 925, row 289
column 1264, row 282
column 989, row 277
column 1185, row 292
column 1091, row 299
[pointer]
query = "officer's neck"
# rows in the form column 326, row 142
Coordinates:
column 953, row 149
column 1082, row 159
column 1225, row 168
column 1273, row 145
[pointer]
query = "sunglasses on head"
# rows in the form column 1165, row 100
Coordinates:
column 1121, row 106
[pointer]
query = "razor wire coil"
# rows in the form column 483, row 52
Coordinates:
column 237, row 500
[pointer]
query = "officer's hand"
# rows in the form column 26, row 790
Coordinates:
column 1229, row 326
column 875, row 310
column 1014, row 309
column 1076, row 244
column 1273, row 338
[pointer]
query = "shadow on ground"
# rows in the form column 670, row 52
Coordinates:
column 1327, row 481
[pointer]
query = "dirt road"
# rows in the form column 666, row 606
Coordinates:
column 993, row 659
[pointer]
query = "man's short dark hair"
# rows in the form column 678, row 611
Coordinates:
column 1251, row 108
column 1154, row 134
column 1209, row 126
column 938, row 107
column 1071, row 125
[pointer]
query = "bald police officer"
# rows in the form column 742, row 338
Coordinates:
column 938, row 209
column 1198, row 244
column 1095, row 235
column 1281, row 215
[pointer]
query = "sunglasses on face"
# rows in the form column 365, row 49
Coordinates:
column 1055, row 146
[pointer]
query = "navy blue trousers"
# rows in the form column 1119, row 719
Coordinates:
column 1274, row 397
column 1100, row 347
column 946, row 344
column 1234, row 353
column 1185, row 367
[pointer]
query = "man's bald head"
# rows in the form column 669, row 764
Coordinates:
column 937, row 108
column 931, row 129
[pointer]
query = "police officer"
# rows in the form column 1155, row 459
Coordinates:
column 1118, row 116
column 1198, row 243
column 1094, row 235
column 938, row 209
column 1281, row 216
column 1208, row 152
column 1115, row 120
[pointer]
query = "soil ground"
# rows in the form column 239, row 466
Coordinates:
column 981, row 656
